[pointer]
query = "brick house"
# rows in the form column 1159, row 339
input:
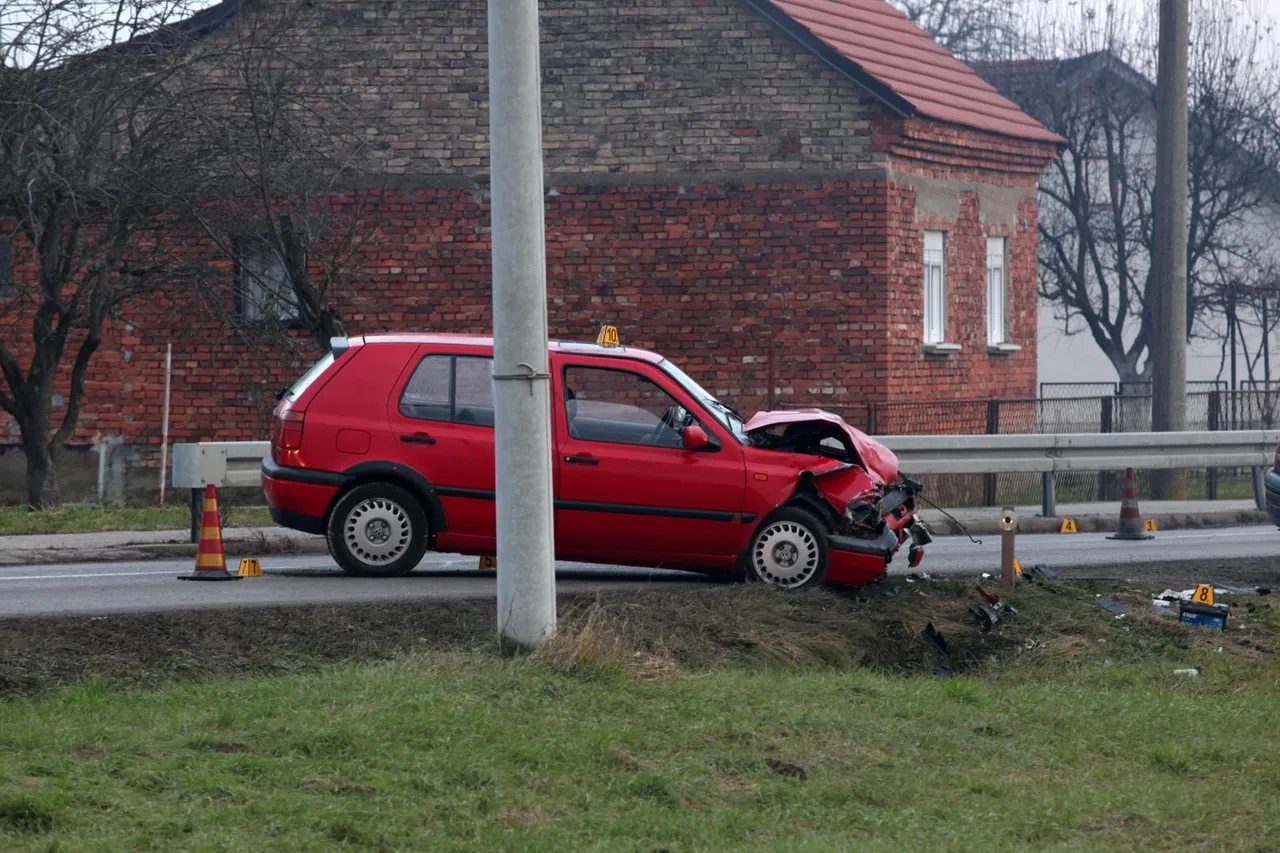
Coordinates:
column 724, row 178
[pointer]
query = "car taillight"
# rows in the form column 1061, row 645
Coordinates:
column 289, row 430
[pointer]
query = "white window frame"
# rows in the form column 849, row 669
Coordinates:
column 935, row 287
column 997, row 292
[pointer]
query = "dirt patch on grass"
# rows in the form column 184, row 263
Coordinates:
column 895, row 626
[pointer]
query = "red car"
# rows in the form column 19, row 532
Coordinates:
column 385, row 447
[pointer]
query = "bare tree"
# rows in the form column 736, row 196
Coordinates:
column 1096, row 234
column 126, row 131
column 89, row 154
column 971, row 30
column 279, row 146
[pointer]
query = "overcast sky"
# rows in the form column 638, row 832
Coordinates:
column 1256, row 17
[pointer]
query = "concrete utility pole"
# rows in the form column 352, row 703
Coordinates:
column 1169, row 347
column 522, row 386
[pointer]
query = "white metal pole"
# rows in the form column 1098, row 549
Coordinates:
column 522, row 387
column 164, row 425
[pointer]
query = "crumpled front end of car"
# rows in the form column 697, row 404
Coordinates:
column 876, row 521
column 870, row 506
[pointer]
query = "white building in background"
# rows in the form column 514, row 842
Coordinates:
column 1077, row 358
column 1067, row 352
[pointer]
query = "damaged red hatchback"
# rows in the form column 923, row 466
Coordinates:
column 385, row 446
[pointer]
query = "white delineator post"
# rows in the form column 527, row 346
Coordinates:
column 164, row 424
column 522, row 386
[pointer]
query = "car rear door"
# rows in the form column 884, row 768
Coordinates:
column 627, row 489
column 442, row 418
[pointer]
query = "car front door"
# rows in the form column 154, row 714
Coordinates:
column 442, row 416
column 628, row 490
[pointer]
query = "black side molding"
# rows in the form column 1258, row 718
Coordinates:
column 662, row 511
column 476, row 494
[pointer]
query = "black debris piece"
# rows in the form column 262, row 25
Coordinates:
column 934, row 636
column 988, row 617
column 1041, row 571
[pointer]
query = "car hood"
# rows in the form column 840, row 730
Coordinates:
column 878, row 459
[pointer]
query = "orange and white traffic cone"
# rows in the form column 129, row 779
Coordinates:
column 1130, row 526
column 211, row 561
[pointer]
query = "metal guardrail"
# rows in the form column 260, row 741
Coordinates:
column 1049, row 455
column 223, row 464
column 1000, row 454
column 237, row 464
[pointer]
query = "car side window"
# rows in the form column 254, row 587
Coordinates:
column 427, row 396
column 621, row 407
column 450, row 388
column 473, row 391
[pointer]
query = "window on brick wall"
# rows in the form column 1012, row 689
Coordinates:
column 997, row 292
column 935, row 287
column 264, row 291
column 6, row 268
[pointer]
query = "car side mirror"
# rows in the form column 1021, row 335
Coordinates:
column 695, row 437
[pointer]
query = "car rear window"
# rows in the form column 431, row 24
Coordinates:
column 310, row 376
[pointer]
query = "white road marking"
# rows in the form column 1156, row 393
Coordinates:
column 92, row 575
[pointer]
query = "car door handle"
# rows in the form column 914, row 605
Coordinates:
column 418, row 438
column 582, row 460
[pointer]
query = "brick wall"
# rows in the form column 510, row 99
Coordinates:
column 919, row 147
column 830, row 273
column 631, row 87
column 972, row 373
column 706, row 275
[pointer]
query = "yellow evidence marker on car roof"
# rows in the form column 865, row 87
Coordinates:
column 608, row 337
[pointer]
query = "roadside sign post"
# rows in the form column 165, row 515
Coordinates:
column 521, row 377
column 1008, row 523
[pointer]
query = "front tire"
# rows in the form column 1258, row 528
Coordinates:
column 377, row 530
column 788, row 551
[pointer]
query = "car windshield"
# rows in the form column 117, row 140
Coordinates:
column 727, row 417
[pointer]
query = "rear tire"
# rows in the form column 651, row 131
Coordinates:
column 377, row 530
column 789, row 551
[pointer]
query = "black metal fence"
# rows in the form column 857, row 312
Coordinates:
column 1210, row 407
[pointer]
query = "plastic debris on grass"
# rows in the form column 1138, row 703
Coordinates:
column 1114, row 607
column 990, row 610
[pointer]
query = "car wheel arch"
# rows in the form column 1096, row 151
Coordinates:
column 807, row 497
column 401, row 475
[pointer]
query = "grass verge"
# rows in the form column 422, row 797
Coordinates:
column 18, row 521
column 722, row 719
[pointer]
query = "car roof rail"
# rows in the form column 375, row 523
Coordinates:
column 338, row 346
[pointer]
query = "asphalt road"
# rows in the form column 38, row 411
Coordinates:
column 956, row 554
column 99, row 588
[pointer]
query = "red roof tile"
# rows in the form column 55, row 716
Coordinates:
column 906, row 61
